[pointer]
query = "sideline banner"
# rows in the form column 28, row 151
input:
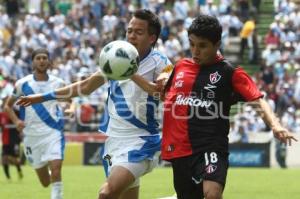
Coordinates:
column 249, row 155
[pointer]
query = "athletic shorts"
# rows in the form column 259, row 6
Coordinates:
column 39, row 151
column 189, row 173
column 11, row 150
column 139, row 155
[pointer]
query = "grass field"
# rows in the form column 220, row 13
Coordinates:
column 83, row 183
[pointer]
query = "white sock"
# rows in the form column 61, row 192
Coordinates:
column 57, row 190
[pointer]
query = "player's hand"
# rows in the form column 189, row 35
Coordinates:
column 161, row 81
column 20, row 125
column 29, row 100
column 283, row 135
column 69, row 113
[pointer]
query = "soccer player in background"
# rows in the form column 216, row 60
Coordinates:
column 11, row 139
column 197, row 101
column 133, row 143
column 41, row 124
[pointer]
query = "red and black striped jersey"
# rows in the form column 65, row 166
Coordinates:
column 197, row 105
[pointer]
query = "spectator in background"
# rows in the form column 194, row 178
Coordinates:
column 256, row 5
column 181, row 9
column 173, row 48
column 271, row 38
column 183, row 38
column 244, row 9
column 271, row 55
column 210, row 9
column 246, row 36
column 296, row 97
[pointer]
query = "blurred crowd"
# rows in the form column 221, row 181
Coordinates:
column 74, row 32
column 279, row 74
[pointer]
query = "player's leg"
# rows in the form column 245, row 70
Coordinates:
column 131, row 193
column 16, row 160
column 33, row 152
column 56, row 180
column 186, row 186
column 126, row 165
column 5, row 165
column 54, row 155
column 117, row 182
column 43, row 175
column 214, row 174
column 212, row 190
column 55, row 168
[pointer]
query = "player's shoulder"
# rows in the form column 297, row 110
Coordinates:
column 185, row 61
column 25, row 79
column 53, row 78
column 159, row 56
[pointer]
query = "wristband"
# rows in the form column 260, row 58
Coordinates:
column 49, row 96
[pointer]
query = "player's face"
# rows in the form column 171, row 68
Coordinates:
column 203, row 51
column 40, row 63
column 138, row 35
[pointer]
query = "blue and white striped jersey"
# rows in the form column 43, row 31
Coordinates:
column 45, row 118
column 130, row 110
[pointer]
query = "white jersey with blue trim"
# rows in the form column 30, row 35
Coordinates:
column 42, row 118
column 132, row 111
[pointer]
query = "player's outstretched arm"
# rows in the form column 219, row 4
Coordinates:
column 154, row 89
column 84, row 87
column 265, row 111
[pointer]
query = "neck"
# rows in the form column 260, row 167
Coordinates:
column 40, row 76
column 145, row 54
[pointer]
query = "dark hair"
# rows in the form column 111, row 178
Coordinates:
column 207, row 27
column 39, row 51
column 152, row 19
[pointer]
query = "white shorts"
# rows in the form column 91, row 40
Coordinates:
column 40, row 150
column 137, row 154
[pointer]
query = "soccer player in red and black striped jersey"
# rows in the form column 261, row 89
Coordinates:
column 10, row 145
column 197, row 101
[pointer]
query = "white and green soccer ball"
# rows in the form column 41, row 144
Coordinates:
column 119, row 60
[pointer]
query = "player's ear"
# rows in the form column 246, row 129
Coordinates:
column 153, row 38
column 218, row 45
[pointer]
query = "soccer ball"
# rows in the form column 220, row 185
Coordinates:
column 119, row 60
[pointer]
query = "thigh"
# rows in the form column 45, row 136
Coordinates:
column 131, row 193
column 120, row 179
column 137, row 155
column 54, row 149
column 184, row 183
column 7, row 150
column 33, row 152
column 210, row 166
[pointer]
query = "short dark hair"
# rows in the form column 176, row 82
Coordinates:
column 39, row 51
column 152, row 19
column 207, row 27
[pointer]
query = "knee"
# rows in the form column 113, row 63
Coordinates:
column 55, row 174
column 213, row 195
column 103, row 195
column 108, row 192
column 45, row 183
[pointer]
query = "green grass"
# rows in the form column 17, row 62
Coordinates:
column 83, row 183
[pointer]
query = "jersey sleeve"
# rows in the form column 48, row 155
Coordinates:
column 163, row 65
column 244, row 85
column 18, row 89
